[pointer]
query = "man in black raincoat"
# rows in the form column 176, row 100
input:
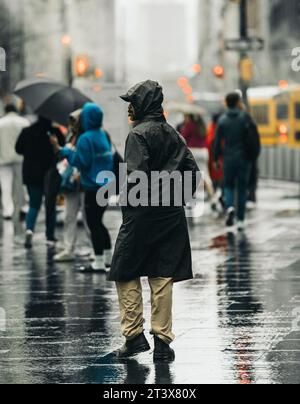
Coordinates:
column 153, row 241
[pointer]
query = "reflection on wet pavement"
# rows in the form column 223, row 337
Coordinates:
column 237, row 322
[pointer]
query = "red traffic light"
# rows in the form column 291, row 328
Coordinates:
column 82, row 66
column 219, row 71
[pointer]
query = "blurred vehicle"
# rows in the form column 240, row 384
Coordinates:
column 263, row 110
column 277, row 113
column 288, row 116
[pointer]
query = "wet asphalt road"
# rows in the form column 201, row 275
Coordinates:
column 237, row 322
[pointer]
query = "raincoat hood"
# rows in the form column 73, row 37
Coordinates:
column 147, row 98
column 91, row 117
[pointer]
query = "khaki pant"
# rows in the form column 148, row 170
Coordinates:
column 131, row 307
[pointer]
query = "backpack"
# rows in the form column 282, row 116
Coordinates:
column 252, row 141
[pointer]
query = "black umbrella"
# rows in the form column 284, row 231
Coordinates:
column 51, row 100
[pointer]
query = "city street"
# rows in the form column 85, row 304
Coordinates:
column 239, row 317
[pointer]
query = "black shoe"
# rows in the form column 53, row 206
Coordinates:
column 22, row 216
column 134, row 347
column 230, row 218
column 89, row 269
column 162, row 351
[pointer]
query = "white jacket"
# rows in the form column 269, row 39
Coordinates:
column 11, row 126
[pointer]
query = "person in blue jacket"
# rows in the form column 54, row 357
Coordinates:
column 93, row 155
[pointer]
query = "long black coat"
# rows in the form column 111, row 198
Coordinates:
column 153, row 241
column 34, row 145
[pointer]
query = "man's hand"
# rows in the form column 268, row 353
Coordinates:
column 55, row 144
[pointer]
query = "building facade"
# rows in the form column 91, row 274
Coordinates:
column 50, row 31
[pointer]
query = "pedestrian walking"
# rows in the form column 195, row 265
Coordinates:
column 234, row 130
column 11, row 125
column 40, row 175
column 195, row 133
column 93, row 155
column 216, row 173
column 73, row 194
column 153, row 241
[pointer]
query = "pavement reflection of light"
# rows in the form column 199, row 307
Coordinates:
column 234, row 321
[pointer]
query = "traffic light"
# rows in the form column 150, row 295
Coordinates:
column 219, row 71
column 187, row 90
column 197, row 68
column 182, row 82
column 82, row 66
column 98, row 73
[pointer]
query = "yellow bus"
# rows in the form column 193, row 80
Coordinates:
column 264, row 111
column 277, row 113
column 288, row 116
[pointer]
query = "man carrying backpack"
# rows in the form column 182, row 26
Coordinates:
column 237, row 141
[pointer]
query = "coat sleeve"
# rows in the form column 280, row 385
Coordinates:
column 81, row 158
column 21, row 143
column 137, row 154
column 217, row 148
column 190, row 165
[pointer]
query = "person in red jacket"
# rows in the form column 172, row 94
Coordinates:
column 195, row 135
column 216, row 173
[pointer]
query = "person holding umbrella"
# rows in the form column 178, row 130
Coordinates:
column 54, row 102
column 153, row 241
column 40, row 175
column 92, row 156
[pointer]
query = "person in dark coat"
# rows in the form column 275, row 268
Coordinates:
column 230, row 144
column 40, row 175
column 153, row 241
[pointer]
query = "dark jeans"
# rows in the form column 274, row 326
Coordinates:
column 236, row 177
column 253, row 182
column 94, row 216
column 36, row 193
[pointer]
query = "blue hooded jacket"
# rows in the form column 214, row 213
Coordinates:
column 94, row 152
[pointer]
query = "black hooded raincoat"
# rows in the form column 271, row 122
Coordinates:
column 153, row 241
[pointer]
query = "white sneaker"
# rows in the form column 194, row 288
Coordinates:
column 99, row 264
column 108, row 255
column 241, row 226
column 251, row 205
column 64, row 256
column 28, row 239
